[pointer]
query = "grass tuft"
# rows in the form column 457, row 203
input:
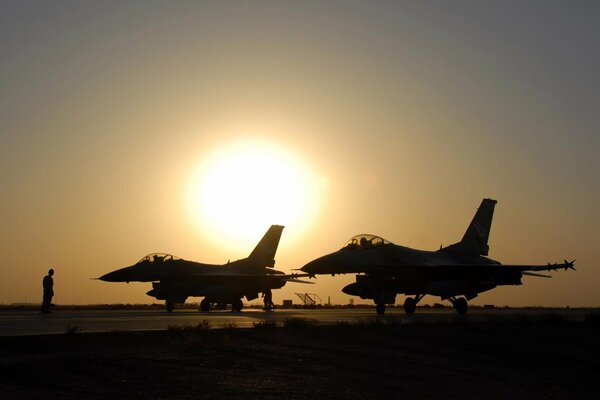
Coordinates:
column 230, row 325
column 373, row 322
column 266, row 324
column 73, row 330
column 299, row 323
column 200, row 327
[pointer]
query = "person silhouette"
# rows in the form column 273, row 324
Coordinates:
column 48, row 285
column 268, row 300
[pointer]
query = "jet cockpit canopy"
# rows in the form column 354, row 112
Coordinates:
column 365, row 241
column 158, row 258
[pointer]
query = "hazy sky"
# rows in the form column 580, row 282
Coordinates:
column 401, row 116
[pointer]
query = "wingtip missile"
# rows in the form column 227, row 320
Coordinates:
column 552, row 266
column 569, row 265
column 295, row 278
column 304, row 274
column 566, row 265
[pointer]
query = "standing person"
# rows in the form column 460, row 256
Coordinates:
column 268, row 300
column 48, row 285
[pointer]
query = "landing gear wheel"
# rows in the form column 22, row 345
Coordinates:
column 461, row 306
column 410, row 305
column 205, row 305
column 170, row 306
column 380, row 308
column 237, row 305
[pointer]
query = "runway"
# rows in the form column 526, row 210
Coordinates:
column 15, row 323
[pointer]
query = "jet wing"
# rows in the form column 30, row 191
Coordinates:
column 225, row 277
column 548, row 267
column 466, row 269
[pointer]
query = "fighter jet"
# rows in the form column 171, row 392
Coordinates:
column 457, row 273
column 175, row 279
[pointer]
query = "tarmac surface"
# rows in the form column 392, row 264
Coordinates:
column 21, row 322
column 340, row 353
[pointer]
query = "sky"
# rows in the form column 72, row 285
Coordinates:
column 390, row 117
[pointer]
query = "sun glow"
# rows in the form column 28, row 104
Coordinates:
column 242, row 189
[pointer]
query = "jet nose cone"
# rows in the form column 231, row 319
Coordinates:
column 110, row 277
column 120, row 275
column 323, row 265
column 310, row 268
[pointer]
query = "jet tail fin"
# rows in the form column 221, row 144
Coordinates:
column 263, row 254
column 475, row 240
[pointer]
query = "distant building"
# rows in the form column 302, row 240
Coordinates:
column 287, row 304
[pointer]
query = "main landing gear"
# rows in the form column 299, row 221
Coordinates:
column 205, row 305
column 170, row 301
column 381, row 299
column 410, row 304
column 236, row 305
column 460, row 304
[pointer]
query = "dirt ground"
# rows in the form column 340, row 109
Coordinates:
column 519, row 360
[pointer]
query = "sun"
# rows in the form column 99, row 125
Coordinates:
column 241, row 189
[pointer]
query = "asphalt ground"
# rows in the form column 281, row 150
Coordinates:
column 29, row 322
column 490, row 354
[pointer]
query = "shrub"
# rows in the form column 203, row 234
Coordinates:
column 230, row 325
column 265, row 324
column 201, row 326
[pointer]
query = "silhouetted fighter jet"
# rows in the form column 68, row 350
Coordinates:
column 385, row 269
column 175, row 279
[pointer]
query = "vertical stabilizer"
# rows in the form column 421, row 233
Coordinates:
column 475, row 240
column 264, row 253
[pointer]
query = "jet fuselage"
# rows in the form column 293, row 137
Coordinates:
column 389, row 269
column 175, row 279
column 461, row 269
